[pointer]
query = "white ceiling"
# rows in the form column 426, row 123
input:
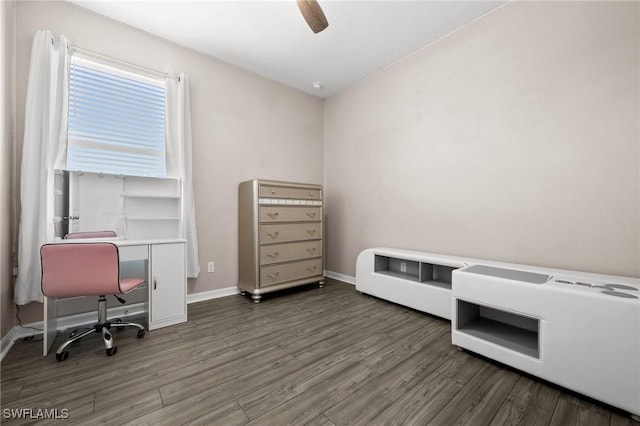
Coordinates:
column 270, row 37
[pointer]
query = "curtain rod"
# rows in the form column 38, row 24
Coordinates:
column 111, row 58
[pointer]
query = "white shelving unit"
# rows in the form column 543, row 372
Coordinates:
column 152, row 207
column 135, row 207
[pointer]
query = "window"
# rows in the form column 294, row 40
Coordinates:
column 116, row 121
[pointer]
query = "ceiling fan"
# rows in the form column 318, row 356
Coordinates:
column 312, row 13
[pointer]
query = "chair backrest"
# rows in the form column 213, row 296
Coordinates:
column 80, row 269
column 90, row 234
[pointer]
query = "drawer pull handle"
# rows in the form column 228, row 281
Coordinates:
column 311, row 231
column 272, row 215
column 273, row 191
column 311, row 214
column 311, row 268
column 311, row 249
column 273, row 254
column 311, row 194
column 273, row 275
column 273, row 234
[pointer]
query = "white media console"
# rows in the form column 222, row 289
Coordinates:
column 578, row 330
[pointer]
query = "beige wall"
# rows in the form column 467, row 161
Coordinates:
column 6, row 151
column 516, row 138
column 244, row 126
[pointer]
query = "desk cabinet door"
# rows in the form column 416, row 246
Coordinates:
column 168, row 287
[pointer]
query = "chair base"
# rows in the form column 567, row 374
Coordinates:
column 104, row 327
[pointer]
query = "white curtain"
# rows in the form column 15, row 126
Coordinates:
column 43, row 151
column 179, row 162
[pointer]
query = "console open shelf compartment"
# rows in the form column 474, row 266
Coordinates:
column 418, row 280
column 416, row 271
column 512, row 331
column 400, row 268
column 436, row 275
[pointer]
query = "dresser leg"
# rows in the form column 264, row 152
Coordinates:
column 256, row 298
column 243, row 293
column 320, row 284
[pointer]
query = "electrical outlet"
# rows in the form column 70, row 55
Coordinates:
column 403, row 266
column 211, row 267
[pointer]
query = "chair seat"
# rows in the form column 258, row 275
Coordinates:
column 128, row 284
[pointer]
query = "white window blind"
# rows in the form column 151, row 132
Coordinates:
column 116, row 121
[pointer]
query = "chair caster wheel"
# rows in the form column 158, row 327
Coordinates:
column 112, row 351
column 62, row 355
column 141, row 334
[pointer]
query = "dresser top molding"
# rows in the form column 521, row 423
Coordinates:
column 286, row 184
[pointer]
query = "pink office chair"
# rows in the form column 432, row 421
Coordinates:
column 86, row 269
column 90, row 234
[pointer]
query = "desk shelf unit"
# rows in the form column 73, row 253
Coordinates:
column 135, row 207
column 152, row 207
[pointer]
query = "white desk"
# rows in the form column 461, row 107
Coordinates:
column 165, row 266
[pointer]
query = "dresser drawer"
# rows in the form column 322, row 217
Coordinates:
column 289, row 214
column 290, row 251
column 269, row 191
column 285, row 232
column 283, row 272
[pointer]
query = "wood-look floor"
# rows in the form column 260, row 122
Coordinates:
column 312, row 356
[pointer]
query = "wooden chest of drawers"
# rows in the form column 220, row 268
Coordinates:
column 280, row 238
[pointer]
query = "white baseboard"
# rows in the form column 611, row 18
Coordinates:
column 79, row 320
column 230, row 291
column 212, row 294
column 63, row 323
column 14, row 334
column 340, row 277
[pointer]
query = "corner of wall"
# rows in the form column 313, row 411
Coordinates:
column 324, row 144
column 7, row 120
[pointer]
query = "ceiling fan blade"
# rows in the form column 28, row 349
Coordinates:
column 313, row 14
